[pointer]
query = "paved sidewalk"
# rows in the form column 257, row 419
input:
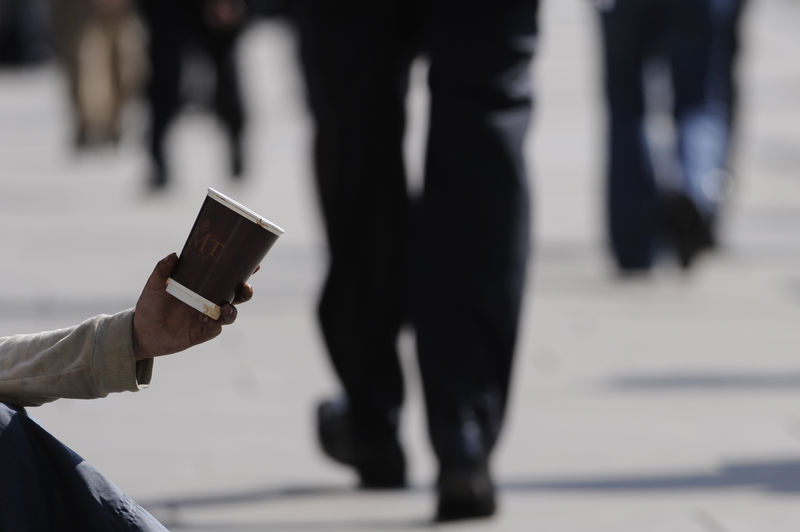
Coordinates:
column 663, row 405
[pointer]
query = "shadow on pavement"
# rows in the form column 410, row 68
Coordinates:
column 168, row 510
column 322, row 524
column 708, row 381
column 270, row 494
column 776, row 476
column 769, row 475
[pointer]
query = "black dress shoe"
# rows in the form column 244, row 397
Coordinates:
column 686, row 228
column 376, row 455
column 465, row 492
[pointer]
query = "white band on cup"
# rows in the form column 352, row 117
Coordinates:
column 193, row 299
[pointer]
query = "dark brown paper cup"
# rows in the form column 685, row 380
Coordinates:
column 226, row 244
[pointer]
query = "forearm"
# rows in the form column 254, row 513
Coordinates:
column 86, row 361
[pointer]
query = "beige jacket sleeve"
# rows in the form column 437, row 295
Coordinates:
column 86, row 361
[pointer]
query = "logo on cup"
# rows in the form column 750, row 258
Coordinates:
column 205, row 243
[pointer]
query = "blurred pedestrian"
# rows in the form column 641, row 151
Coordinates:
column 46, row 486
column 177, row 28
column 100, row 45
column 24, row 33
column 698, row 41
column 454, row 263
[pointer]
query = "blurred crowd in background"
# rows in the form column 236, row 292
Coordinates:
column 112, row 52
column 676, row 60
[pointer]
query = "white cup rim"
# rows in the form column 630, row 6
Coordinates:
column 244, row 211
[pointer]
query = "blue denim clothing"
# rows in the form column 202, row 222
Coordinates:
column 697, row 39
column 45, row 486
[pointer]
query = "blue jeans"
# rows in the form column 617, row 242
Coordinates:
column 697, row 39
column 45, row 486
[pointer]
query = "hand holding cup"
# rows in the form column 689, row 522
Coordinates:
column 163, row 325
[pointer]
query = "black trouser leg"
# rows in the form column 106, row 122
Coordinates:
column 356, row 63
column 228, row 103
column 473, row 239
column 167, row 33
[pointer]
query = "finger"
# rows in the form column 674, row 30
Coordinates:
column 210, row 330
column 245, row 293
column 228, row 314
column 257, row 269
column 163, row 269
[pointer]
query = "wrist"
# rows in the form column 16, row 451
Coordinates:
column 139, row 350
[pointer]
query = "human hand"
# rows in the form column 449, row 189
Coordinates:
column 162, row 325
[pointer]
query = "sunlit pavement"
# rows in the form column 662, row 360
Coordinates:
column 665, row 404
